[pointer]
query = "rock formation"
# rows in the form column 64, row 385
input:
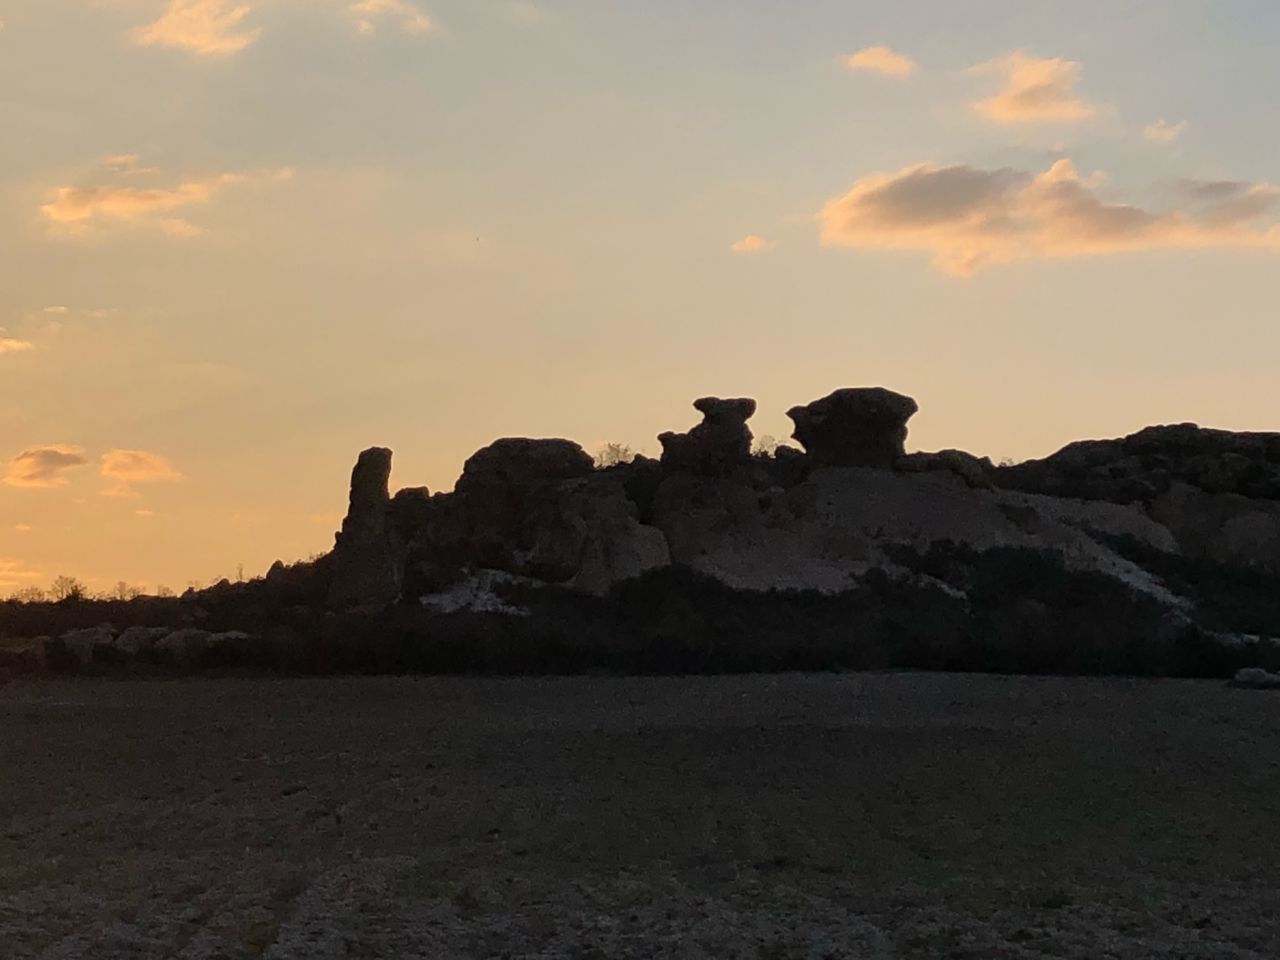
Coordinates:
column 539, row 512
column 854, row 427
column 364, row 568
column 721, row 442
column 1145, row 464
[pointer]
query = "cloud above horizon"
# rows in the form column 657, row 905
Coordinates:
column 1161, row 131
column 205, row 27
column 14, row 345
column 77, row 209
column 1035, row 90
column 882, row 60
column 129, row 467
column 15, row 573
column 44, row 467
column 408, row 17
column 969, row 218
column 751, row 243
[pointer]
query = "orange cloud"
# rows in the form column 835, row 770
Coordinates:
column 409, row 17
column 77, row 209
column 127, row 467
column 207, row 27
column 12, row 345
column 968, row 218
column 14, row 573
column 1035, row 89
column 750, row 244
column 881, row 60
column 44, row 466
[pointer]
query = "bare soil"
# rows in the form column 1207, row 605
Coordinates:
column 806, row 816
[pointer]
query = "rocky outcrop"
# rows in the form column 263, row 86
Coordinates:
column 1224, row 528
column 1145, row 464
column 586, row 534
column 975, row 471
column 717, row 445
column 480, row 524
column 854, row 427
column 539, row 511
column 365, row 572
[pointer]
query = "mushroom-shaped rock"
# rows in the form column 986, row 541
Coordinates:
column 364, row 568
column 719, row 443
column 854, row 427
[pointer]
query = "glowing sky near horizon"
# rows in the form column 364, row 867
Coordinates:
column 241, row 240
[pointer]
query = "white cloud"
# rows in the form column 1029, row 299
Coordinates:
column 881, row 60
column 1035, row 89
column 1161, row 131
column 968, row 217
column 207, row 27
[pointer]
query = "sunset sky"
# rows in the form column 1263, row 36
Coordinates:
column 241, row 240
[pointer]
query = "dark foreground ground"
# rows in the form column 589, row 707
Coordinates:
column 789, row 816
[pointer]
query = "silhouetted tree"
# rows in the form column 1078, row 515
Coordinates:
column 764, row 445
column 612, row 454
column 124, row 591
column 66, row 588
column 29, row 595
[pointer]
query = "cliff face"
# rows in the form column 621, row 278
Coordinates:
column 823, row 518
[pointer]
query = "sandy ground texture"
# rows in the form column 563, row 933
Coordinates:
column 799, row 816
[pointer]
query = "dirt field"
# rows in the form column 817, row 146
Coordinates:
column 794, row 816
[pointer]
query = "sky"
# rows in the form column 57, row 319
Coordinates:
column 242, row 240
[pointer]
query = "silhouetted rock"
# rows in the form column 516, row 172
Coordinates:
column 499, row 484
column 364, row 571
column 517, row 462
column 975, row 471
column 586, row 534
column 721, row 442
column 854, row 427
column 1145, row 464
column 1224, row 528
column 82, row 644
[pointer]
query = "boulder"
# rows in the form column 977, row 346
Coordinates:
column 1224, row 528
column 721, row 442
column 517, row 462
column 1255, row 678
column 855, row 427
column 81, row 644
column 500, row 484
column 365, row 573
column 136, row 640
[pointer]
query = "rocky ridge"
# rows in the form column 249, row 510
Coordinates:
column 820, row 519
